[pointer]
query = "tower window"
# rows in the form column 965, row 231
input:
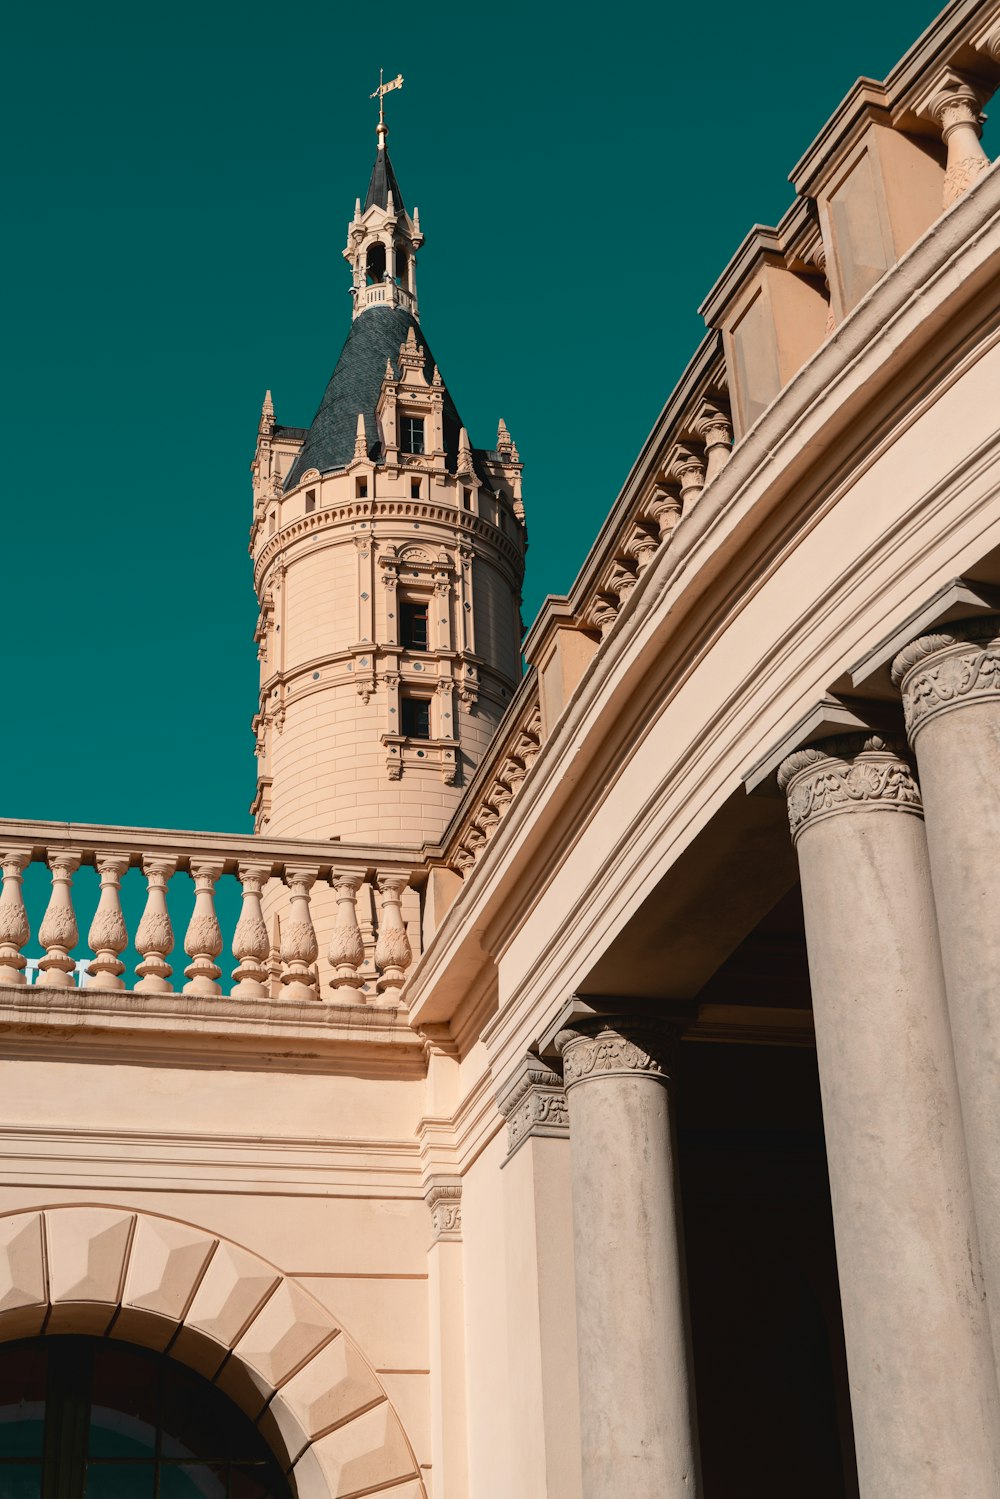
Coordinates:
column 375, row 263
column 414, row 489
column 310, row 501
column 467, row 498
column 271, row 523
column 416, row 716
column 412, row 434
column 413, row 626
column 361, row 489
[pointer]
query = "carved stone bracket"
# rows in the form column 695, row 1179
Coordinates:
column 842, row 774
column 534, row 1104
column 444, row 1198
column 956, row 665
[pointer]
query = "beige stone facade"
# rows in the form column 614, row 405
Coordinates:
column 603, row 1102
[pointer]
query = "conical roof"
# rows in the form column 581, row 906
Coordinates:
column 383, row 183
column 354, row 387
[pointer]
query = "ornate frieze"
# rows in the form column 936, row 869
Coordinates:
column 444, row 1198
column 845, row 773
column 613, row 1045
column 956, row 665
column 534, row 1104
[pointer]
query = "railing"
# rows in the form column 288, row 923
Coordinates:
column 389, row 294
column 180, row 873
column 498, row 779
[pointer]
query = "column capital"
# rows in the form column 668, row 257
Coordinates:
column 850, row 772
column 533, row 1104
column 623, row 1045
column 444, row 1198
column 958, row 664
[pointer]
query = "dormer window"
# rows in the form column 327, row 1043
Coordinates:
column 411, row 434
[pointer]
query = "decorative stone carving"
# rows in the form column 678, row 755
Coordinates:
column 619, row 582
column 108, row 936
column 601, row 614
column 956, row 102
column 14, row 928
column 844, row 773
column 299, row 946
column 608, row 1045
column 687, row 467
column 951, row 667
column 444, row 1198
column 155, row 937
column 251, row 944
column 203, row 938
column 715, row 428
column 392, row 950
column 59, row 932
column 534, row 1104
column 641, row 547
column 664, row 509
column 346, row 952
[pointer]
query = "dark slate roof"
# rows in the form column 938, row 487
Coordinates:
column 383, row 182
column 375, row 336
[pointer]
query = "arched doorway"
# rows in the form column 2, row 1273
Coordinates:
column 88, row 1418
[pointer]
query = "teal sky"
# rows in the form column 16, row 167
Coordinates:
column 180, row 180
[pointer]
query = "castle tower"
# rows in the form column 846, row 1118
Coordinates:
column 388, row 556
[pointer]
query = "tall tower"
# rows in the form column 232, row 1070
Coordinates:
column 388, row 557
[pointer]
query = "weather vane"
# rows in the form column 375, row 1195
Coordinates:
column 380, row 93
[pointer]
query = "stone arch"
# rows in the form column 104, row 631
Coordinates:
column 225, row 1312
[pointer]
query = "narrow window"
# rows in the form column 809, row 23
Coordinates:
column 414, row 489
column 361, row 489
column 272, row 522
column 310, row 501
column 416, row 714
column 467, row 498
column 412, row 434
column 413, row 626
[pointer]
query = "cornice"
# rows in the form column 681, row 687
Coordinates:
column 175, row 1030
column 874, row 348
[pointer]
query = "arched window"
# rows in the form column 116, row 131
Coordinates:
column 88, row 1418
column 375, row 263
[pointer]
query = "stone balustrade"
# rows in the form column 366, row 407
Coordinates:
column 283, row 963
column 500, row 776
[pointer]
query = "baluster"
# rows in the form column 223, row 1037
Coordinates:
column 203, row 938
column 299, row 947
column 392, row 950
column 155, row 937
column 274, row 960
column 14, row 928
column 346, row 952
column 59, row 931
column 250, row 941
column 108, row 937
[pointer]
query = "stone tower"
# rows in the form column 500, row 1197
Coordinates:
column 388, row 556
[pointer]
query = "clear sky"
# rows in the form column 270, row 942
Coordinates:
column 180, row 180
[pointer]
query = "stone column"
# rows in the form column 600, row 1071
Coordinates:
column 637, row 1416
column 923, row 1389
column 540, row 1296
column 950, row 683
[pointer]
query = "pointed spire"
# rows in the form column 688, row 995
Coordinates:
column 361, row 440
column 504, row 440
column 267, row 414
column 464, row 463
column 357, row 210
column 390, row 373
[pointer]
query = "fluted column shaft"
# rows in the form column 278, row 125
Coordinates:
column 923, row 1389
column 951, row 696
column 637, row 1419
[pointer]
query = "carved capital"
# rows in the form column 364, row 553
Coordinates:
column 956, row 665
column 615, row 1046
column 444, row 1198
column 848, row 773
column 534, row 1104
